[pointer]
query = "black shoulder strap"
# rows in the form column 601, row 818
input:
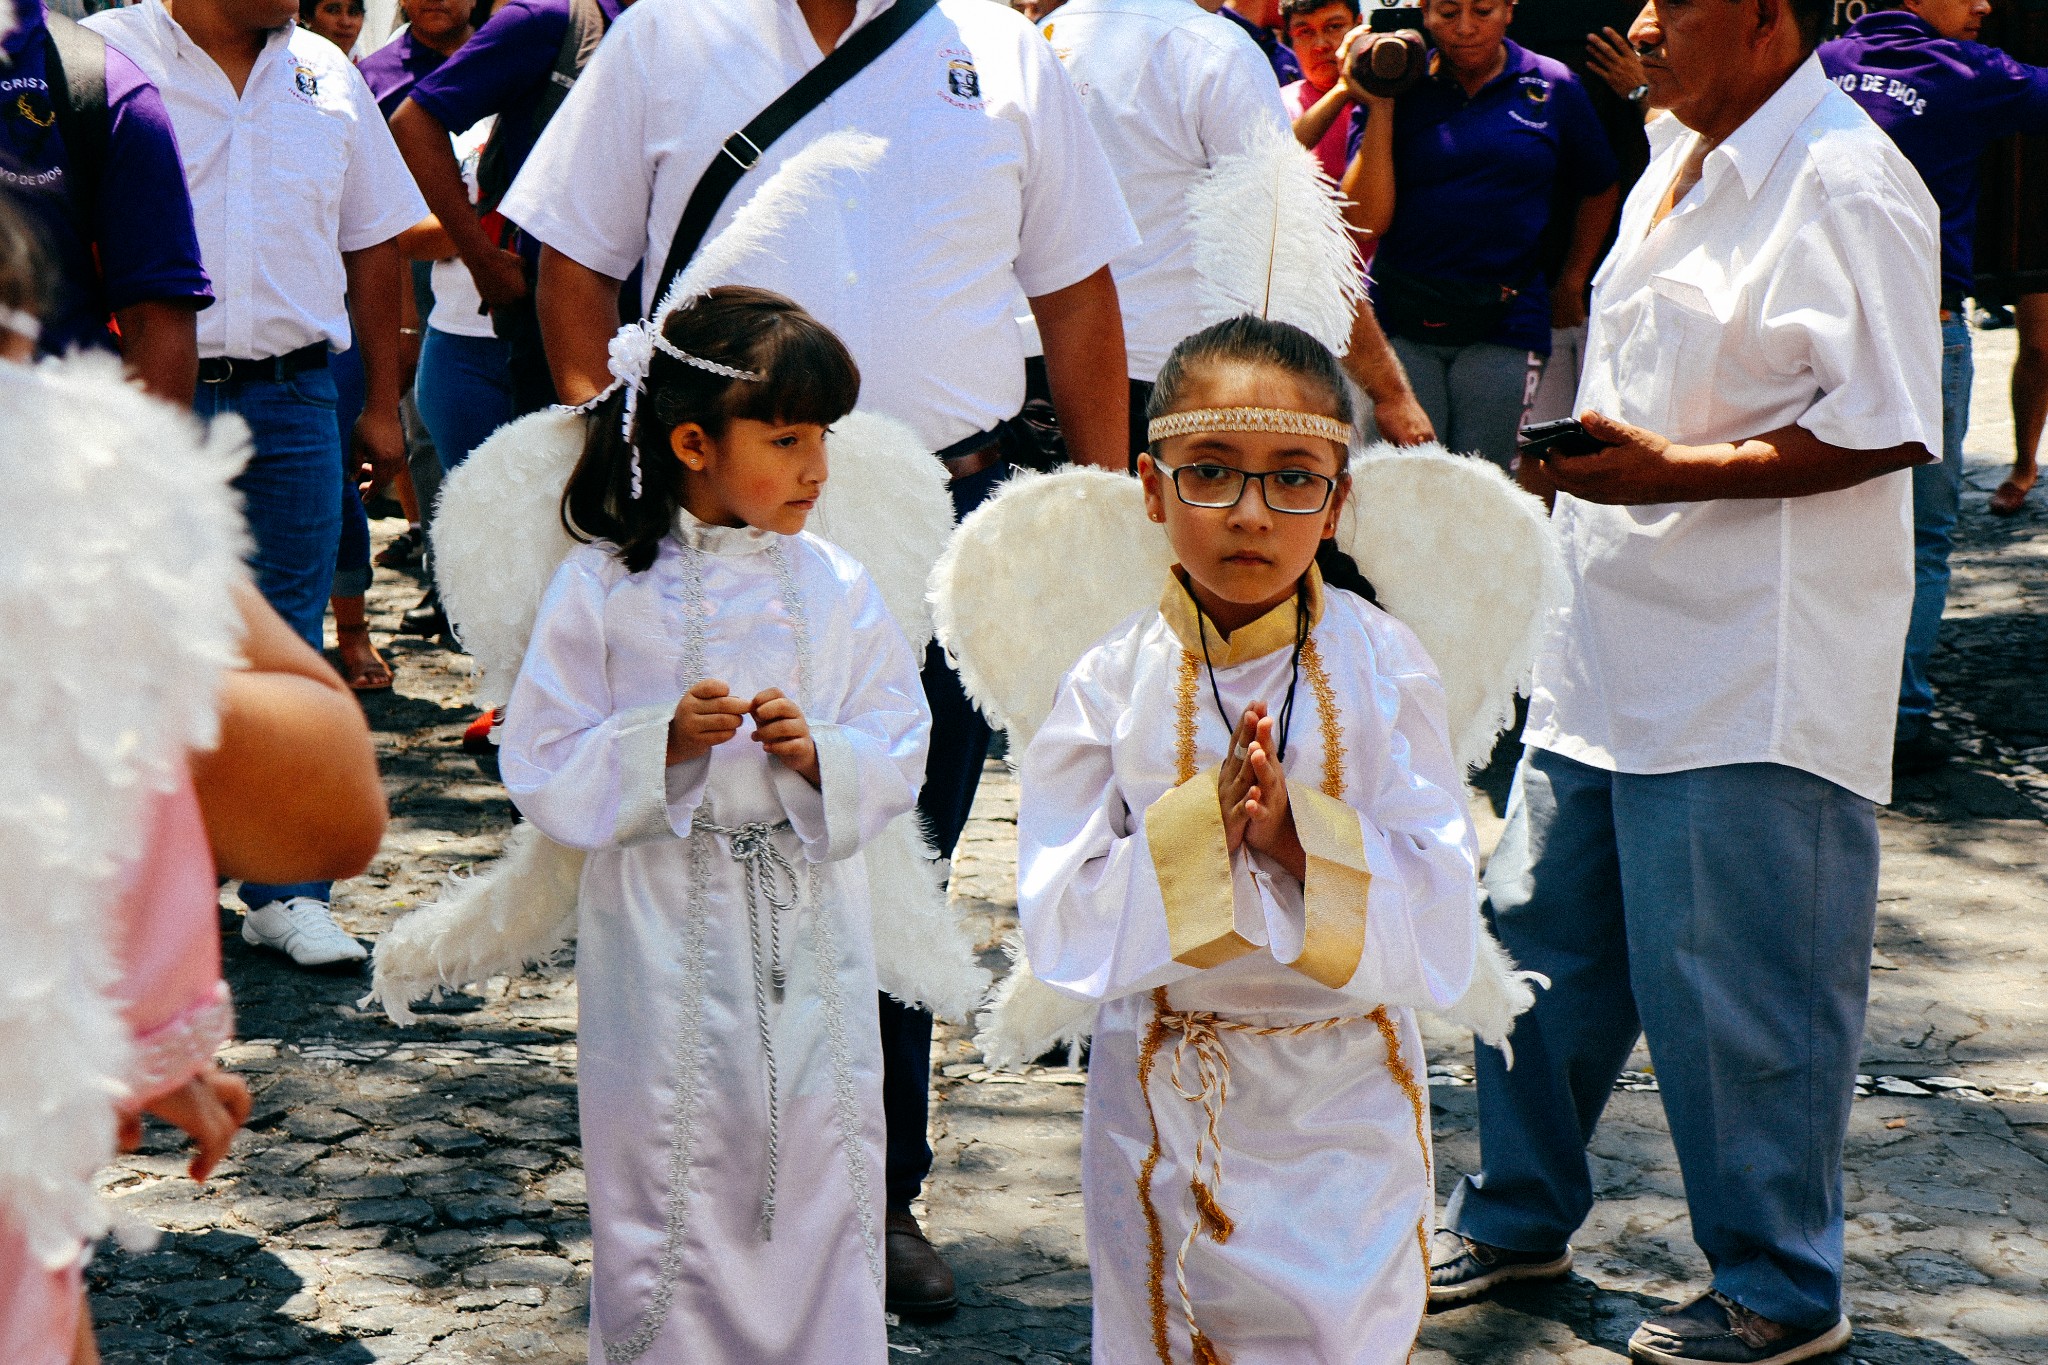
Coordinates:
column 587, row 26
column 76, row 69
column 744, row 149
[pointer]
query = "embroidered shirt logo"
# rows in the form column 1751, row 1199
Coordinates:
column 35, row 107
column 1535, row 93
column 963, row 83
column 306, row 81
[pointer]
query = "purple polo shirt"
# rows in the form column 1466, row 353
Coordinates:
column 1286, row 69
column 502, row 70
column 394, row 69
column 1943, row 102
column 142, row 227
column 1476, row 180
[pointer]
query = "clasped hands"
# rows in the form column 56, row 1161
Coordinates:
column 1252, row 790
column 709, row 715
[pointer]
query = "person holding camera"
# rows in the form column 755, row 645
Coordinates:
column 1480, row 147
column 1691, row 849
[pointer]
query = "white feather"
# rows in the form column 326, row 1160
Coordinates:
column 1270, row 240
column 120, row 547
column 498, row 539
column 519, row 911
column 764, row 220
column 923, row 955
column 885, row 503
column 1027, row 1018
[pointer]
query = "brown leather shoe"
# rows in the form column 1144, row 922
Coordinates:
column 920, row 1285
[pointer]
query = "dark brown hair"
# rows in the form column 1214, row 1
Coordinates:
column 807, row 376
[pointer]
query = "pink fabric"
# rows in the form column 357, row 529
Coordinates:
column 167, row 939
column 1332, row 150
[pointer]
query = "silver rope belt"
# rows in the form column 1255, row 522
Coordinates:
column 766, row 868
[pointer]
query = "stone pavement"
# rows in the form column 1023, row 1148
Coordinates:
column 416, row 1195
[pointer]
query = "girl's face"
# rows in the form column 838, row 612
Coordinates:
column 762, row 474
column 1245, row 559
column 435, row 19
column 339, row 21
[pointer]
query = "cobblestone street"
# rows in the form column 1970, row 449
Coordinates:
column 416, row 1195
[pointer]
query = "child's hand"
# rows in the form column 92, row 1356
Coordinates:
column 780, row 728
column 706, row 717
column 1253, row 790
column 211, row 1108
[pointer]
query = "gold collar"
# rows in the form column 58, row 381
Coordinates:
column 1272, row 632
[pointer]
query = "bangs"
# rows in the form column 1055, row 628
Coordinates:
column 810, row 377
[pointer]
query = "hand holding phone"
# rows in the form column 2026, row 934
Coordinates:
column 1561, row 439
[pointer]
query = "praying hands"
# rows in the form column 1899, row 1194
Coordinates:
column 1252, row 790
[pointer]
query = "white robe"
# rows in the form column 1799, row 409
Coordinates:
column 673, row 980
column 1324, row 1135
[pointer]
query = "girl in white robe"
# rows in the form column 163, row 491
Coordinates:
column 719, row 707
column 1243, row 833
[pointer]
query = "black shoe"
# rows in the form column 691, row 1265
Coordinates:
column 1715, row 1328
column 920, row 1285
column 1922, row 753
column 404, row 550
column 1461, row 1270
column 426, row 619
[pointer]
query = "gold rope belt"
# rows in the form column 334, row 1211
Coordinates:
column 1199, row 1038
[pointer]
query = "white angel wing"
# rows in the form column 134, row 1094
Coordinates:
column 1468, row 562
column 886, row 505
column 498, row 539
column 1036, row 575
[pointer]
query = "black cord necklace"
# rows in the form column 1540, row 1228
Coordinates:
column 1286, row 724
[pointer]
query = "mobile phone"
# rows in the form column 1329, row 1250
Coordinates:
column 1561, row 439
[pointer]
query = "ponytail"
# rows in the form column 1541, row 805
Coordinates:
column 1340, row 570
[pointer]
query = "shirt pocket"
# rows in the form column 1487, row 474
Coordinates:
column 305, row 160
column 1666, row 355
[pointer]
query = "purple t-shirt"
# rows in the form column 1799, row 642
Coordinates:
column 1286, row 69
column 393, row 69
column 1943, row 102
column 502, row 70
column 142, row 222
column 1476, row 181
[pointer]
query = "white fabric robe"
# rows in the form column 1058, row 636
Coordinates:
column 673, row 1074
column 1326, row 1161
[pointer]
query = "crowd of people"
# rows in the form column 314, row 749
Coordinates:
column 1734, row 247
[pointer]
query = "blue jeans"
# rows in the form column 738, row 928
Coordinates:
column 291, row 495
column 464, row 392
column 1727, row 914
column 352, row 566
column 1937, row 499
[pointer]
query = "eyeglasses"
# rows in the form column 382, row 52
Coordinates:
column 1294, row 491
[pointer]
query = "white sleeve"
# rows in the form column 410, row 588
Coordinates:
column 588, row 775
column 378, row 197
column 1240, row 99
column 1857, row 304
column 871, row 745
column 1074, row 220
column 586, row 187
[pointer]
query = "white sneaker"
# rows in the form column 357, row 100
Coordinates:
column 304, row 930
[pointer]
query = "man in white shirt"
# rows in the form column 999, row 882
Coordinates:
column 1691, row 850
column 1172, row 89
column 992, row 186
column 298, row 194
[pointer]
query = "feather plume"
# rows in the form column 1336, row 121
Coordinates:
column 923, row 955
column 787, row 196
column 1027, row 1018
column 1270, row 239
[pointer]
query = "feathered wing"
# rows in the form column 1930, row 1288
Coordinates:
column 1036, row 575
column 761, row 222
column 886, row 504
column 498, row 539
column 1455, row 550
column 121, row 544
column 1270, row 240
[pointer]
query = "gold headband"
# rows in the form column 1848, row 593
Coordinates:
column 1279, row 421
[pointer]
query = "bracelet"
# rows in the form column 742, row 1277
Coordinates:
column 411, row 332
column 1635, row 96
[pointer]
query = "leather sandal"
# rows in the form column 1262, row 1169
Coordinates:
column 364, row 675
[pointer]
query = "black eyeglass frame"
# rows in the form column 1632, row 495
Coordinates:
column 1245, row 475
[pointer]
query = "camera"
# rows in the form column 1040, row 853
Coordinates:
column 1393, row 56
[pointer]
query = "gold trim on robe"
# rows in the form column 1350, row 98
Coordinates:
column 1334, row 889
column 1191, row 858
column 1271, row 632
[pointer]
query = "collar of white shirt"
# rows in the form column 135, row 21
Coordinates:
column 1755, row 147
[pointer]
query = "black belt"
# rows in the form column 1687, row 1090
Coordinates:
column 982, row 450
column 226, row 369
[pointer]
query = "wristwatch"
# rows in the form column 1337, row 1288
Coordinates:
column 1635, row 96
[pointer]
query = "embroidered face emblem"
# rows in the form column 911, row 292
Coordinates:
column 306, row 81
column 963, row 80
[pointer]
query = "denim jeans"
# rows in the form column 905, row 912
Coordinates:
column 1475, row 395
column 1937, row 497
column 291, row 495
column 464, row 392
column 1726, row 914
column 352, row 565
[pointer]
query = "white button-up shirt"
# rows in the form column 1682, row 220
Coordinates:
column 1796, row 283
column 285, row 177
column 1171, row 89
column 992, row 182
